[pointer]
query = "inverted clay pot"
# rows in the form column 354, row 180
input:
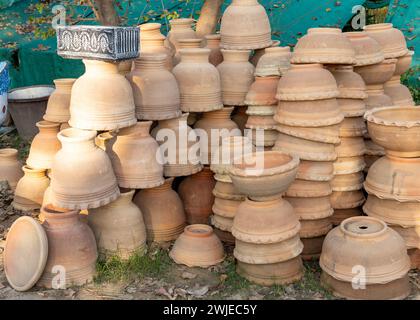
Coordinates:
column 377, row 73
column 347, row 199
column 274, row 62
column 350, row 147
column 315, row 170
column 260, row 122
column 152, row 41
column 237, row 75
column 10, row 167
column 186, row 44
column 155, row 90
column 314, row 228
column 227, row 190
column 180, row 29
column 367, row 50
column 340, row 215
column 30, row 189
column 399, row 93
column 197, row 246
column 327, row 134
column 258, row 53
column 262, row 91
column 101, row 99
column 213, row 43
column 313, row 208
column 347, row 165
column 221, row 222
column 348, row 182
column 312, row 248
column 263, row 138
column 245, row 25
column 59, row 101
column 94, row 185
column 410, row 235
column 163, row 212
column 226, row 207
column 349, row 83
column 391, row 40
column 403, row 63
column 308, row 189
column 119, row 227
column 353, row 127
column 352, row 107
column 71, row 245
column 44, row 146
column 377, row 97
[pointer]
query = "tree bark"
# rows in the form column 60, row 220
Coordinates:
column 108, row 15
column 207, row 22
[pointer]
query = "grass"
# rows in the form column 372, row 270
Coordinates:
column 234, row 282
column 13, row 140
column 310, row 282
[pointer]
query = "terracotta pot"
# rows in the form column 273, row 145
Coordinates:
column 410, row 235
column 367, row 50
column 152, row 41
column 315, row 170
column 258, row 53
column 340, row 215
column 349, row 83
column 94, row 185
column 240, row 117
column 59, row 101
column 352, row 107
column 221, row 222
column 213, row 43
column 199, row 81
column 260, row 122
column 347, row 199
column 44, row 146
column 350, row 147
column 314, row 228
column 224, row 236
column 377, row 97
column 377, row 73
column 163, row 212
column 399, row 93
column 226, row 190
column 307, row 82
column 155, row 90
column 197, row 246
column 196, row 193
column 101, row 99
column 309, row 189
column 186, row 43
column 119, row 227
column 312, row 248
column 353, row 127
column 369, row 160
column 313, row 208
column 237, row 75
column 327, row 134
column 324, row 45
column 403, row 63
column 348, row 182
column 30, row 189
column 124, row 67
column 264, row 175
column 263, row 138
column 180, row 29
column 262, row 111
column 274, row 62
column 269, row 221
column 347, row 165
column 226, row 207
column 280, row 273
column 10, row 167
column 71, row 245
column 245, row 25
column 262, row 92
column 391, row 40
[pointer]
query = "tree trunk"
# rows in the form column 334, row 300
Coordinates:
column 208, row 18
column 108, row 15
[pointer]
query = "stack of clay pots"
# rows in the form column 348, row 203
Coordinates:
column 392, row 181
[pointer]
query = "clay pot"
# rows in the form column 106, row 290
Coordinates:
column 309, row 189
column 177, row 141
column 369, row 160
column 196, row 193
column 155, row 90
column 59, row 101
column 348, row 182
column 314, row 228
column 403, row 63
column 410, row 235
column 399, row 93
column 307, row 82
column 350, row 147
column 163, row 212
column 270, row 221
column 274, row 62
column 349, row 83
column 124, row 67
column 261, row 111
column 312, row 248
column 366, row 242
column 101, row 99
column 180, row 29
column 340, row 215
column 186, row 44
column 313, row 208
column 30, row 189
column 197, row 246
column 260, row 122
column 199, row 81
column 347, row 199
column 152, row 41
column 262, row 91
column 315, row 170
column 327, row 134
column 347, row 165
column 10, row 167
column 352, row 107
column 377, row 97
column 221, row 222
column 245, row 25
column 119, row 227
column 263, row 138
column 367, row 50
column 324, row 45
column 353, row 127
column 94, row 185
column 226, row 190
column 264, row 175
column 224, row 236
column 226, row 207
column 44, row 146
column 258, row 53
column 414, row 255
column 377, row 73
column 71, row 245
column 391, row 40
column 213, row 43
column 240, row 117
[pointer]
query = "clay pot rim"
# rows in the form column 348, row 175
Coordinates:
column 214, row 36
column 361, row 219
column 76, row 135
column 204, row 230
column 27, row 168
column 8, row 152
column 378, row 26
column 64, row 81
column 50, row 210
column 47, row 124
column 181, row 21
column 150, row 26
column 324, row 30
column 374, row 116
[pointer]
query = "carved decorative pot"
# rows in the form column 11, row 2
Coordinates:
column 59, row 101
column 10, row 167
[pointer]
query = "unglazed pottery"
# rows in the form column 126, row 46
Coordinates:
column 263, row 138
column 95, row 183
column 125, row 66
column 312, row 248
column 352, row 107
column 199, row 81
column 367, row 50
column 353, row 127
column 44, row 146
column 315, row 170
column 260, row 122
column 186, row 44
column 399, row 93
column 262, row 91
column 377, row 97
column 221, row 222
column 314, row 228
column 347, row 182
column 213, row 43
column 197, row 246
column 403, row 63
column 59, row 101
column 10, row 167
column 274, row 62
column 261, row 111
column 340, row 215
column 152, row 41
column 308, row 189
column 347, row 165
column 258, row 53
column 245, row 25
column 226, row 207
column 30, row 189
column 311, row 208
column 347, row 199
column 349, row 83
column 350, row 147
column 226, row 190
column 414, row 255
column 119, row 227
column 236, row 75
column 391, row 40
column 327, row 134
column 180, row 29
column 377, row 73
column 410, row 235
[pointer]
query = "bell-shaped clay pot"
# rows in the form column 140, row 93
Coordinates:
column 265, row 122
column 180, row 29
column 226, row 190
column 347, row 199
column 163, row 212
column 315, row 228
column 340, row 215
column 315, row 170
column 196, row 193
column 353, row 127
column 199, row 81
column 237, row 75
column 312, row 248
column 186, row 44
column 44, row 146
column 152, row 41
column 263, row 138
column 155, row 90
column 93, row 184
column 10, row 167
column 327, row 134
column 101, row 99
column 403, row 63
column 391, row 40
column 197, row 246
column 221, row 222
column 399, row 93
column 274, row 62
column 240, row 117
column 258, row 53
column 350, row 84
column 347, row 165
column 245, row 25
column 350, row 147
column 119, row 227
column 226, row 207
column 30, row 189
column 71, row 249
column 312, row 208
column 262, row 91
column 367, row 50
column 352, row 107
column 213, row 43
column 348, row 182
column 59, row 101
column 377, row 97
column 377, row 73
column 309, row 189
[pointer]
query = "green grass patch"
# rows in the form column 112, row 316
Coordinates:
column 310, row 282
column 13, row 140
column 234, row 282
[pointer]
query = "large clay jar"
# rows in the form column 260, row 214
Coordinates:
column 365, row 246
column 262, row 91
column 59, row 101
column 213, row 43
column 71, row 248
column 10, row 167
column 391, row 40
column 274, row 62
column 180, row 29
column 93, row 184
column 153, row 42
column 155, row 90
column 30, row 189
column 119, row 227
column 198, row 81
column 163, row 212
column 101, row 99
column 367, row 50
column 245, row 25
column 44, row 146
column 186, row 44
column 177, row 141
column 237, row 75
column 196, row 193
